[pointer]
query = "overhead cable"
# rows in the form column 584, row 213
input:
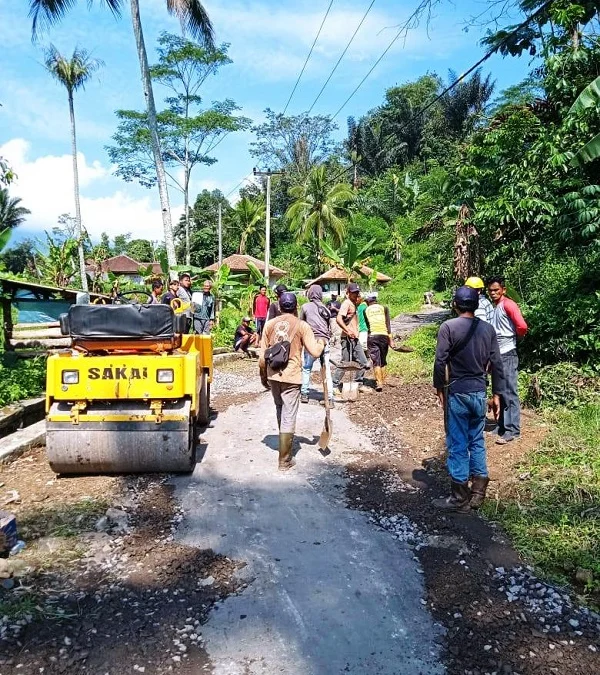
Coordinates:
column 341, row 57
column 308, row 57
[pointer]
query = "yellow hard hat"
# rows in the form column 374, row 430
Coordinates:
column 474, row 282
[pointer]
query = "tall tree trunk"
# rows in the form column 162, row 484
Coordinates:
column 186, row 206
column 84, row 284
column 153, row 126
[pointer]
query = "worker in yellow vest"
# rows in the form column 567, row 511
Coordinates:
column 379, row 341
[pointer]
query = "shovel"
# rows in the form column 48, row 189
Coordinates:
column 325, row 436
column 350, row 389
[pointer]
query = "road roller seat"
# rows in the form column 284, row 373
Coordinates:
column 129, row 328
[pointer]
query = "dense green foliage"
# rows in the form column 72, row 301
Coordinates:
column 21, row 379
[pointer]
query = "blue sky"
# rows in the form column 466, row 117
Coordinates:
column 269, row 43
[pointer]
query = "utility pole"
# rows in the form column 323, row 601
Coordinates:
column 220, row 231
column 268, row 174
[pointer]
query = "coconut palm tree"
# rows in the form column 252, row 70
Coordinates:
column 249, row 218
column 194, row 19
column 319, row 209
column 73, row 74
column 11, row 214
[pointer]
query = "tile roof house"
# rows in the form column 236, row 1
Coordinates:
column 335, row 280
column 123, row 265
column 237, row 265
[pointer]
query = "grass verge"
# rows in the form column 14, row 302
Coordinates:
column 552, row 513
column 418, row 365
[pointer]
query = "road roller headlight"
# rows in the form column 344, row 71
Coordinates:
column 164, row 375
column 70, row 377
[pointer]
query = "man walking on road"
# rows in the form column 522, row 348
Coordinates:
column 285, row 382
column 510, row 325
column 485, row 311
column 260, row 309
column 317, row 316
column 377, row 318
column 466, row 348
column 351, row 348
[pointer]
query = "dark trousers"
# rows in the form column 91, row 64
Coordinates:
column 351, row 351
column 260, row 324
column 509, row 422
column 378, row 346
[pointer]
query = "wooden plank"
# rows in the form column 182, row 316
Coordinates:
column 36, row 334
column 35, row 326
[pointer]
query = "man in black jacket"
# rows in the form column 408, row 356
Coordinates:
column 466, row 349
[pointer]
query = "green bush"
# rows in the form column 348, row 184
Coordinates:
column 562, row 307
column 565, row 384
column 21, row 378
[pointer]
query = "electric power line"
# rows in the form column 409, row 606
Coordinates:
column 341, row 57
column 449, row 88
column 488, row 54
column 238, row 185
column 308, row 57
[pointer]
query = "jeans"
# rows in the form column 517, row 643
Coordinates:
column 509, row 422
column 464, row 435
column 351, row 351
column 287, row 402
column 307, row 367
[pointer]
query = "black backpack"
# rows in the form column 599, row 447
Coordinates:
column 278, row 355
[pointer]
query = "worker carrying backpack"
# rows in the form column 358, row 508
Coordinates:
column 277, row 356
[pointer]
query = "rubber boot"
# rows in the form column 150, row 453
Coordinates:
column 478, row 489
column 383, row 374
column 458, row 500
column 378, row 378
column 286, row 460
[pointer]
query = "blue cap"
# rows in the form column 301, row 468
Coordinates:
column 466, row 296
column 288, row 302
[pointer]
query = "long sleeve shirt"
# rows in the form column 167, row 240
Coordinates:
column 468, row 368
column 281, row 328
column 508, row 323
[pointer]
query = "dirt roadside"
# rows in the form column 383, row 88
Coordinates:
column 499, row 618
column 101, row 586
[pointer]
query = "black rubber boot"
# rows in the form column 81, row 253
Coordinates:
column 286, row 460
column 458, row 500
column 478, row 489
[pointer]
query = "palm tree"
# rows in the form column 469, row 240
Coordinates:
column 319, row 209
column 11, row 214
column 193, row 17
column 249, row 217
column 73, row 74
column 349, row 257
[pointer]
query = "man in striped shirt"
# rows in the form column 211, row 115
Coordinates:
column 509, row 325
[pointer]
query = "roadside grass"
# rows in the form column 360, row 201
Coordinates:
column 552, row 513
column 418, row 365
column 416, row 274
column 64, row 520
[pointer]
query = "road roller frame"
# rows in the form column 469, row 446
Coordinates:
column 129, row 394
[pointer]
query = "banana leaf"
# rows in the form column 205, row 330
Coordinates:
column 588, row 98
column 589, row 152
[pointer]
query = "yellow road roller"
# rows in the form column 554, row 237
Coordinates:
column 129, row 394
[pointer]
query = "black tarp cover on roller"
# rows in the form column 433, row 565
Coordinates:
column 137, row 322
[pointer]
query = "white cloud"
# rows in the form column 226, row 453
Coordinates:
column 274, row 41
column 45, row 184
